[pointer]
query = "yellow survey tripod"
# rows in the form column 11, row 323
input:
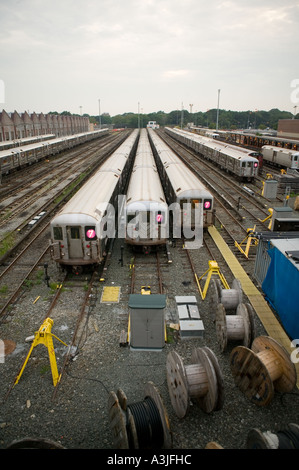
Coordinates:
column 44, row 336
column 213, row 269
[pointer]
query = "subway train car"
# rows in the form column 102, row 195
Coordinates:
column 8, row 144
column 18, row 157
column 282, row 157
column 146, row 210
column 240, row 162
column 182, row 186
column 82, row 228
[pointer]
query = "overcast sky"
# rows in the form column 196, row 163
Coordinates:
column 66, row 55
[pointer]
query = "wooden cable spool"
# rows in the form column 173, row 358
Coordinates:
column 133, row 427
column 213, row 445
column 287, row 438
column 200, row 382
column 229, row 298
column 239, row 327
column 260, row 371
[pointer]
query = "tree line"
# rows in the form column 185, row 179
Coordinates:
column 226, row 120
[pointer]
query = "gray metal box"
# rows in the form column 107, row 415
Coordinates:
column 191, row 329
column 270, row 189
column 147, row 323
column 185, row 299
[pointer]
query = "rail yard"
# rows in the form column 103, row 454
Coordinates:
column 78, row 328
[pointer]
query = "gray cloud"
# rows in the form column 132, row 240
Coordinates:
column 61, row 55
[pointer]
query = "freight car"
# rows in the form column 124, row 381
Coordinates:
column 146, row 210
column 240, row 162
column 282, row 157
column 81, row 230
column 182, row 186
column 18, row 157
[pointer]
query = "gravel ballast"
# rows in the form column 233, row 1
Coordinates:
column 78, row 416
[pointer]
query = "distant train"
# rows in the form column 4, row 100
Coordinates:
column 281, row 157
column 181, row 185
column 81, row 230
column 18, row 157
column 8, row 144
column 238, row 161
column 146, row 210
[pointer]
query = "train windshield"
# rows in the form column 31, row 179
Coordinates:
column 57, row 232
column 194, row 202
column 75, row 233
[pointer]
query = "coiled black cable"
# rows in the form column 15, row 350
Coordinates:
column 148, row 424
column 288, row 439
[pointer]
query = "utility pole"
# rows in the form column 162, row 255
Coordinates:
column 138, row 115
column 191, row 106
column 217, row 111
column 100, row 121
column 182, row 116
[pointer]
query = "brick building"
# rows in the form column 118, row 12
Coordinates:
column 288, row 129
column 15, row 125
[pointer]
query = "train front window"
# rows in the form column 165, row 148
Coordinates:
column 195, row 202
column 182, row 202
column 57, row 232
column 130, row 217
column 75, row 233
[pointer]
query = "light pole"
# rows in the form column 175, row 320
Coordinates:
column 217, row 111
column 138, row 115
column 191, row 106
column 100, row 121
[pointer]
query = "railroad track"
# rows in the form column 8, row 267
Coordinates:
column 32, row 245
column 146, row 271
column 19, row 207
column 85, row 290
column 237, row 210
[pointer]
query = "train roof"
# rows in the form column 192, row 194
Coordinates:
column 183, row 180
column 85, row 203
column 145, row 189
column 238, row 153
column 27, row 148
column 23, row 141
column 281, row 149
column 91, row 201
